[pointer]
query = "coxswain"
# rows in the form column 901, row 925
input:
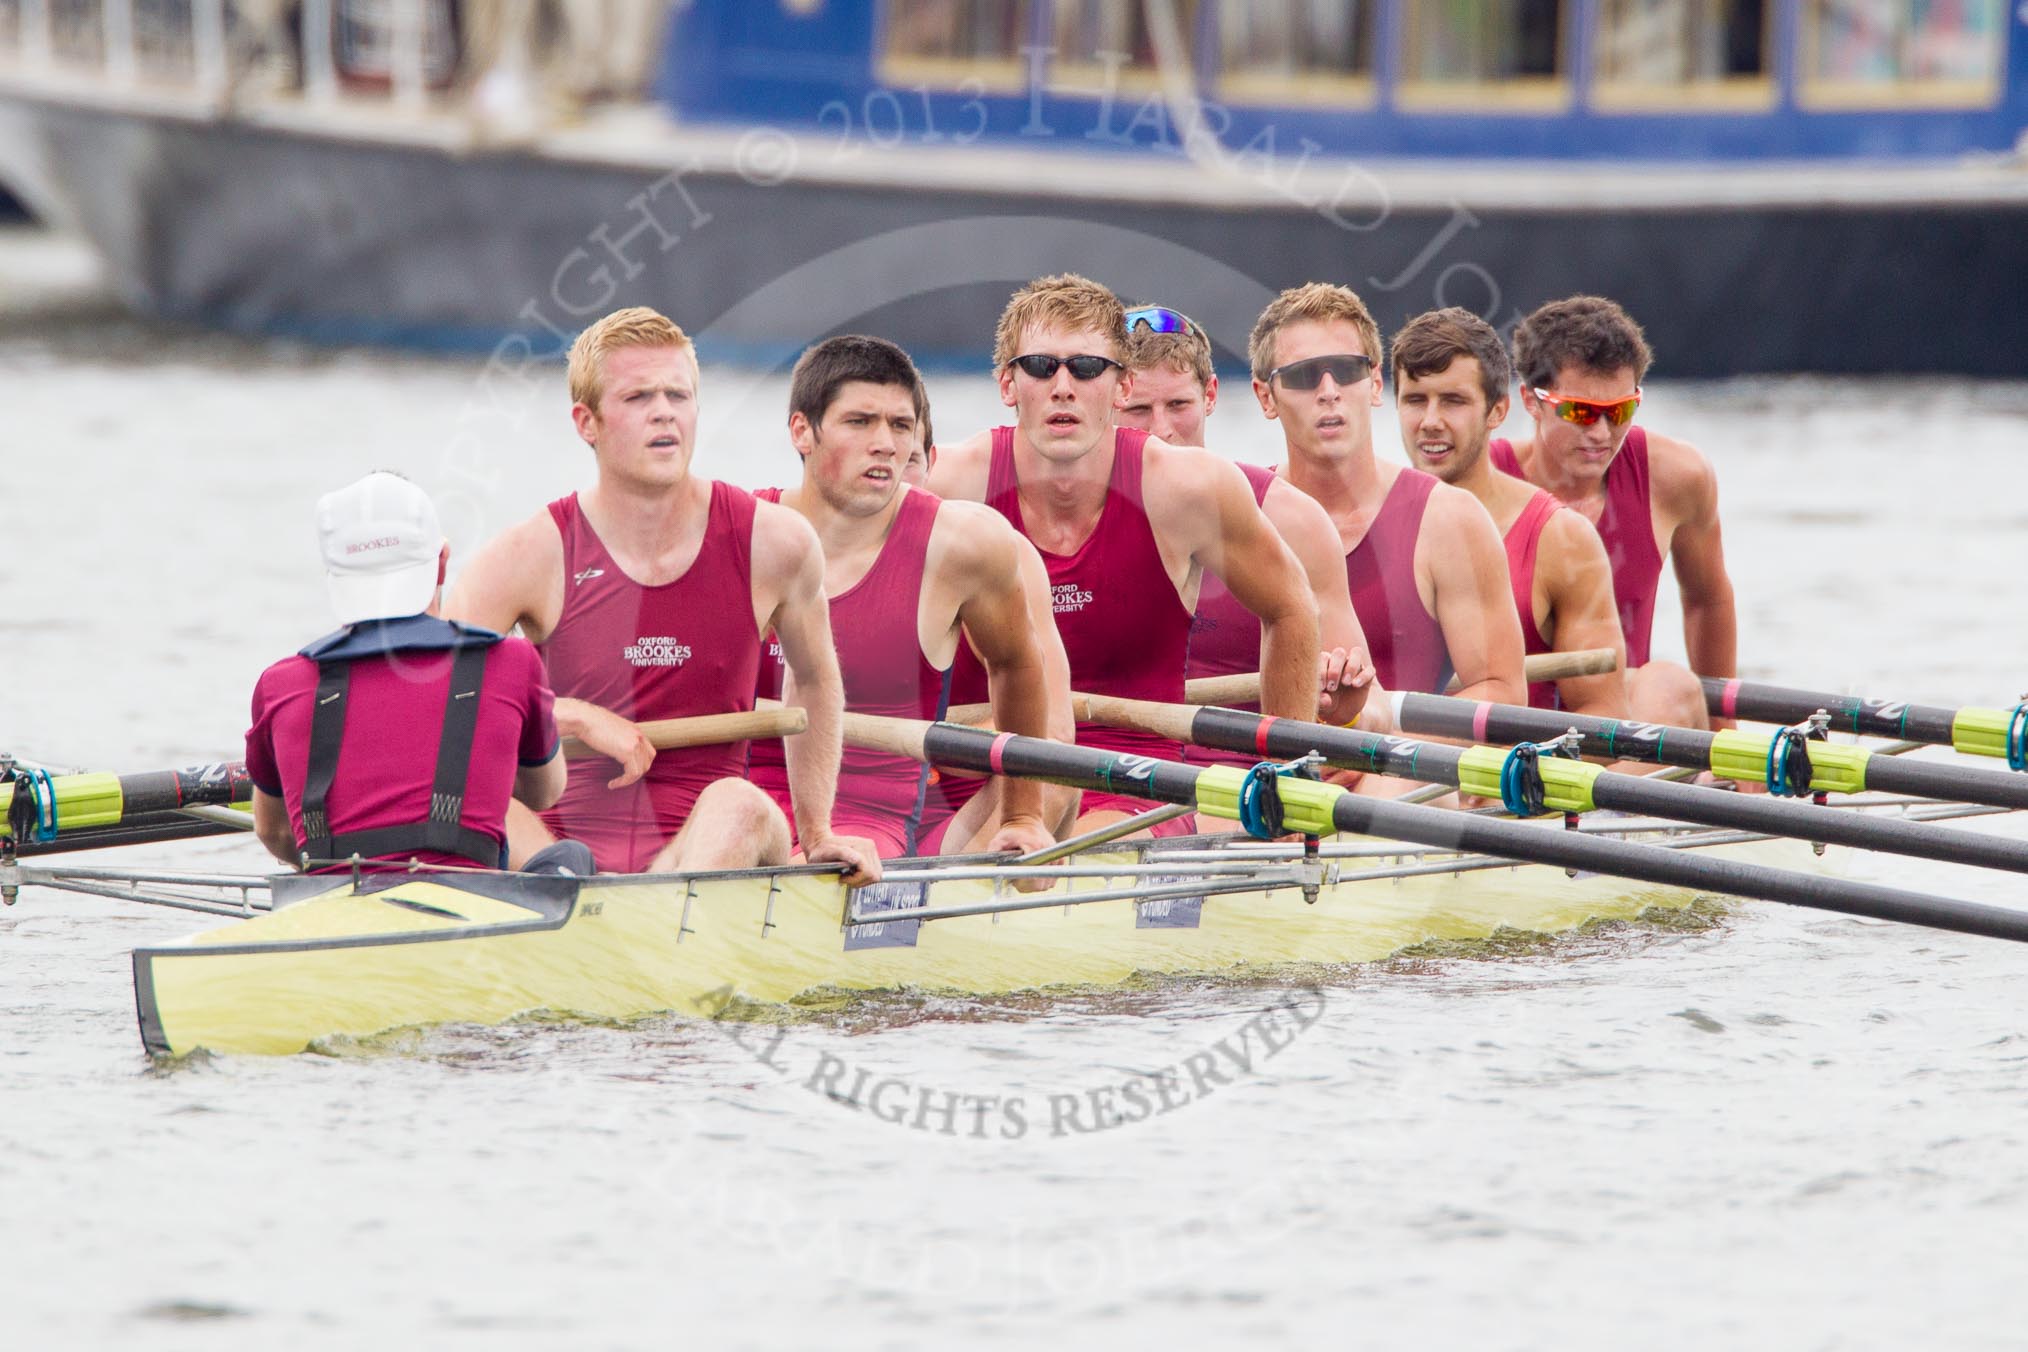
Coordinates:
column 909, row 578
column 1174, row 390
column 1581, row 362
column 1451, row 381
column 647, row 595
column 400, row 737
column 1423, row 560
column 1128, row 525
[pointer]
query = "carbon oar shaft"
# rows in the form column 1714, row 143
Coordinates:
column 1758, row 703
column 1614, row 739
column 148, row 828
column 1406, row 758
column 1311, row 806
column 89, row 800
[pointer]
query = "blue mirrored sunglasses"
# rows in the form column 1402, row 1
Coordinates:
column 1159, row 319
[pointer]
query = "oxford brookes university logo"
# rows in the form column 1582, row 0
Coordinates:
column 657, row 651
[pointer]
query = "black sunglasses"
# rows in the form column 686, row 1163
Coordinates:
column 1081, row 368
column 1347, row 369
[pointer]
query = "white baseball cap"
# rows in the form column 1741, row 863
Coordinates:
column 381, row 539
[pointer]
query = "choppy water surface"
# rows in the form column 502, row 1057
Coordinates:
column 1770, row 1129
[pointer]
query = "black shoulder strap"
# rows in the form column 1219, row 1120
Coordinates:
column 444, row 831
column 327, row 730
column 461, row 724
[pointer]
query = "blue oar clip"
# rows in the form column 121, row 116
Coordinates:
column 2017, row 737
column 1521, row 789
column 1260, row 798
column 1789, row 771
column 41, row 791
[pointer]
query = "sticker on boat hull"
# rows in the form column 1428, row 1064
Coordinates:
column 877, row 897
column 1169, row 912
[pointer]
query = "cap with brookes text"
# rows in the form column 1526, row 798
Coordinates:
column 380, row 538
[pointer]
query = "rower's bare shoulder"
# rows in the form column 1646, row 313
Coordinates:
column 970, row 538
column 1571, row 548
column 1187, row 478
column 784, row 543
column 1681, row 476
column 1166, row 457
column 514, row 578
column 963, row 469
column 531, row 544
column 961, row 519
column 1454, row 509
column 1300, row 519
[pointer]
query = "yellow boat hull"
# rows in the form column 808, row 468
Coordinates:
column 486, row 949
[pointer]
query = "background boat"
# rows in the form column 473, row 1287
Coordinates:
column 1758, row 180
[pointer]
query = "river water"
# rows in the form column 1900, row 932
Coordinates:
column 1767, row 1128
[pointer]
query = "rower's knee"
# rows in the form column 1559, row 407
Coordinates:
column 527, row 836
column 1666, row 692
column 734, row 825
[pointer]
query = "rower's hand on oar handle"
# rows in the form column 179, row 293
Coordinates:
column 1344, row 681
column 604, row 733
column 859, row 855
column 1023, row 835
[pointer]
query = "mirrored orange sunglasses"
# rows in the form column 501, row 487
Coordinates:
column 1585, row 412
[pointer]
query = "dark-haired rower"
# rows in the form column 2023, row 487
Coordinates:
column 1451, row 376
column 909, row 579
column 1581, row 362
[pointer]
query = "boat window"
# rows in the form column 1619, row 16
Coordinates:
column 950, row 41
column 150, row 39
column 1683, row 55
column 1090, row 35
column 1901, row 53
column 165, row 40
column 366, row 39
column 1498, row 54
column 1295, row 50
column 76, row 32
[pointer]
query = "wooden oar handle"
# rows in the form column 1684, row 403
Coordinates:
column 668, row 734
column 896, row 736
column 1244, row 688
column 1241, row 689
column 1223, row 690
column 1163, row 720
column 1556, row 666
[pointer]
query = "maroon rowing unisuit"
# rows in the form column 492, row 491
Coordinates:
column 684, row 648
column 874, row 624
column 1124, row 628
column 1523, row 541
column 387, row 756
column 1403, row 638
column 1626, row 525
column 1225, row 635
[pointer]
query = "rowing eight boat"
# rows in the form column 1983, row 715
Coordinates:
column 353, row 955
column 346, row 959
